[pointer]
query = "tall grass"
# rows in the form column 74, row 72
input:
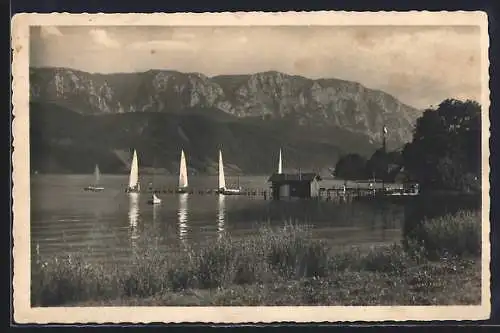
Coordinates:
column 271, row 257
column 449, row 235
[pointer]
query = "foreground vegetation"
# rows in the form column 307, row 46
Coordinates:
column 439, row 264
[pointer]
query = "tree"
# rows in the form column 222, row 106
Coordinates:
column 384, row 165
column 446, row 148
column 351, row 167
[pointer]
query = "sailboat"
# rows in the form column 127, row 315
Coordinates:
column 95, row 187
column 154, row 198
column 183, row 175
column 222, row 181
column 133, row 181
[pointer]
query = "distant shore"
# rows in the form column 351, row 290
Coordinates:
column 439, row 264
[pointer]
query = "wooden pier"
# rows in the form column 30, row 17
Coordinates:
column 337, row 194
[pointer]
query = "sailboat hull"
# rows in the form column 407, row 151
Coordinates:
column 230, row 191
column 132, row 189
column 93, row 188
column 152, row 202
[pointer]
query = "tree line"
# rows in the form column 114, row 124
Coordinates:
column 444, row 154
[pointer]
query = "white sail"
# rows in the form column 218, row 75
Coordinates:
column 97, row 175
column 222, row 179
column 183, row 177
column 280, row 164
column 134, row 171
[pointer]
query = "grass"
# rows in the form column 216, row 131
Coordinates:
column 282, row 266
column 449, row 235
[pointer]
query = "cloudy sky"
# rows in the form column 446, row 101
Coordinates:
column 421, row 66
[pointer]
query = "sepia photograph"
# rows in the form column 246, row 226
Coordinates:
column 251, row 167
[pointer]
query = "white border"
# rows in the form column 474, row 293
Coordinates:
column 21, row 177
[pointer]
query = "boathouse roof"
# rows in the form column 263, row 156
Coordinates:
column 290, row 177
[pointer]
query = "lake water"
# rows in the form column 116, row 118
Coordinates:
column 109, row 225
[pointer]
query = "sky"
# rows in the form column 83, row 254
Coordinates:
column 421, row 66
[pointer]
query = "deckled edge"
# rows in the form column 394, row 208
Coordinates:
column 25, row 314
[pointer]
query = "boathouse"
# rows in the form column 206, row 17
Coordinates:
column 300, row 185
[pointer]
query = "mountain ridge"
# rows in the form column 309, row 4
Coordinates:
column 328, row 116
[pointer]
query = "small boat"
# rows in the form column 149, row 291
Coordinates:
column 154, row 200
column 183, row 175
column 222, row 181
column 95, row 187
column 133, row 182
column 231, row 191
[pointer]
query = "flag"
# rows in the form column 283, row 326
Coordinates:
column 385, row 130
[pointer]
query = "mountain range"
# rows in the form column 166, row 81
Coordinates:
column 78, row 119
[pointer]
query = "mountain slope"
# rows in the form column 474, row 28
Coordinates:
column 96, row 117
column 66, row 141
column 269, row 95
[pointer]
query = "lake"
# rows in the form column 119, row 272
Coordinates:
column 110, row 225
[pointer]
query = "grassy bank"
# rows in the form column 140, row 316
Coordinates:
column 439, row 264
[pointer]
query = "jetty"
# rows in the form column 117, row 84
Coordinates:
column 282, row 186
column 305, row 187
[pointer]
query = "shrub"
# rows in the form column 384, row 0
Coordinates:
column 293, row 254
column 450, row 235
column 389, row 259
column 70, row 279
column 215, row 264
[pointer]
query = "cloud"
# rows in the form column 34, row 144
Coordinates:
column 46, row 32
column 101, row 37
column 166, row 44
column 420, row 65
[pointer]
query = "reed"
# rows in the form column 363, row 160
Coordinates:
column 266, row 269
column 450, row 235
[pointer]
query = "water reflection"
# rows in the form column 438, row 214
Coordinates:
column 156, row 217
column 133, row 217
column 221, row 212
column 183, row 217
column 59, row 204
column 156, row 214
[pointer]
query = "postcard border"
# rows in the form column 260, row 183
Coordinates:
column 23, row 313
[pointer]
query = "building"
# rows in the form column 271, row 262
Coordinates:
column 300, row 185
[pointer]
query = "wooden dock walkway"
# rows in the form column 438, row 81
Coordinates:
column 327, row 194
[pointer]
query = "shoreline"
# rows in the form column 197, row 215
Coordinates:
column 439, row 264
column 439, row 284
